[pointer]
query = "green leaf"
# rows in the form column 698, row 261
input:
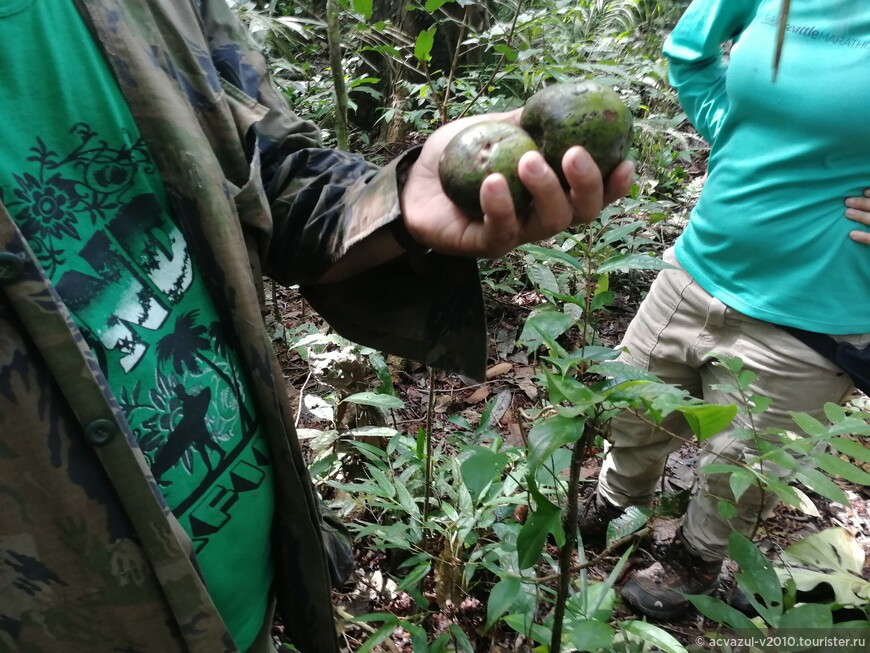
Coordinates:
column 434, row 5
column 421, row 443
column 807, row 506
column 375, row 399
column 708, row 420
column 506, row 51
column 630, row 521
column 622, row 372
column 722, row 613
column 759, row 404
column 423, row 45
column 654, row 635
column 838, row 467
column 810, row 425
column 551, row 253
column 624, row 262
column 481, row 468
column 547, row 518
column 547, row 321
column 740, row 481
column 833, row 557
column 727, row 510
column 834, row 413
column 363, row 7
column 381, row 634
column 419, row 636
column 757, row 576
column 550, row 434
column 501, row 598
column 851, row 448
column 387, row 487
column 461, row 638
column 821, row 484
column 407, row 502
column 809, row 616
column 523, row 624
column 591, row 635
column 618, row 233
column 414, row 576
column 571, row 390
column 542, row 276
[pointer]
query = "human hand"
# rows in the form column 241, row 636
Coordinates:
column 859, row 211
column 435, row 222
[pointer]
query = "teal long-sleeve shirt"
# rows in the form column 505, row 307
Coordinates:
column 769, row 236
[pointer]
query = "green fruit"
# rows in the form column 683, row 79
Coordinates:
column 475, row 153
column 579, row 113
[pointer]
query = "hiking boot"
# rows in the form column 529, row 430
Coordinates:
column 595, row 514
column 657, row 591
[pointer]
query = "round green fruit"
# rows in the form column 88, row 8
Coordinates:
column 477, row 152
column 579, row 113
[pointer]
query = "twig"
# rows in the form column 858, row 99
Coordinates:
column 430, row 411
column 578, row 455
column 780, row 35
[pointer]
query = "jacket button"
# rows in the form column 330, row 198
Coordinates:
column 11, row 267
column 100, row 432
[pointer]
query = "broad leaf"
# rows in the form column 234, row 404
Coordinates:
column 851, row 448
column 624, row 262
column 501, row 598
column 544, row 322
column 757, row 577
column 654, row 635
column 375, row 399
column 481, row 468
column 630, row 521
column 550, row 434
column 542, row 276
column 423, row 45
column 722, row 613
column 591, row 635
column 834, row 557
column 839, row 467
column 821, row 484
column 810, row 616
column 708, row 420
column 546, row 519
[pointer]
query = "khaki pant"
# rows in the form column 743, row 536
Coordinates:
column 678, row 327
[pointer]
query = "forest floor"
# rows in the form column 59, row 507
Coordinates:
column 510, row 388
column 510, row 374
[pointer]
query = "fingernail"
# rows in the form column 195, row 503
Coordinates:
column 536, row 166
column 851, row 213
column 583, row 165
column 850, row 201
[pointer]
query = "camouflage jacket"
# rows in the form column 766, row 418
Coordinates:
column 90, row 557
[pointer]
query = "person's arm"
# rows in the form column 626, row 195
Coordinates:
column 695, row 66
column 333, row 216
column 858, row 210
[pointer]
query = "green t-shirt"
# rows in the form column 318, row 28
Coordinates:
column 79, row 182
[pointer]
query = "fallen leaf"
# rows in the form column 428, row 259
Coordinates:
column 499, row 369
column 478, row 395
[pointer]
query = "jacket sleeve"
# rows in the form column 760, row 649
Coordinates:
column 322, row 202
column 695, row 59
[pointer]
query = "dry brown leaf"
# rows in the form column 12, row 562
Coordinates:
column 478, row 395
column 499, row 369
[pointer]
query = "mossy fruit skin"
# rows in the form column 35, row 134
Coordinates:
column 475, row 153
column 583, row 113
